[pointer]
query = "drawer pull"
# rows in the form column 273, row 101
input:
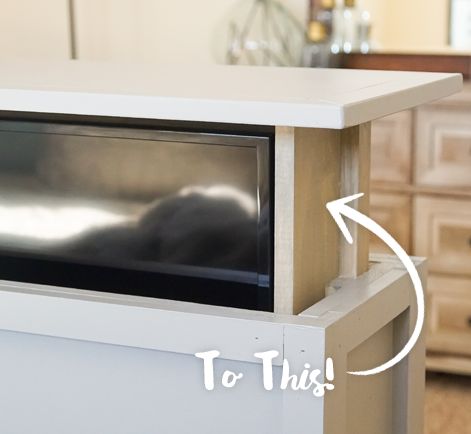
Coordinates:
column 469, row 321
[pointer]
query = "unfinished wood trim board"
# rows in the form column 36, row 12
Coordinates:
column 313, row 167
column 355, row 178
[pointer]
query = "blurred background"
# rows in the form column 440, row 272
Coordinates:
column 421, row 161
column 186, row 31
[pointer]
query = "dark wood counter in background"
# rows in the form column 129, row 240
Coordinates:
column 410, row 62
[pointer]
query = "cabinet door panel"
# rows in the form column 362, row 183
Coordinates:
column 443, row 146
column 442, row 233
column 391, row 148
column 449, row 315
column 392, row 212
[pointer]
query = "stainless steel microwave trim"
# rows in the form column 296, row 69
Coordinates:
column 133, row 133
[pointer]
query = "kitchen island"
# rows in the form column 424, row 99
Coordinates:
column 84, row 361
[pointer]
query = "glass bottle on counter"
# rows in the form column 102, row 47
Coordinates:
column 317, row 51
column 319, row 34
column 364, row 32
column 337, row 27
column 320, row 12
column 351, row 21
column 325, row 16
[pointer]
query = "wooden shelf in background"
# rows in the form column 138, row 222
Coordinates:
column 458, row 63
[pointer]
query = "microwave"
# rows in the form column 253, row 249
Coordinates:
column 172, row 210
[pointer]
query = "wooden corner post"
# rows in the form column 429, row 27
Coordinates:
column 312, row 167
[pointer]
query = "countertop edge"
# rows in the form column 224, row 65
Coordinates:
column 372, row 109
column 327, row 114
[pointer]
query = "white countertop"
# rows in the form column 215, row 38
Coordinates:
column 301, row 97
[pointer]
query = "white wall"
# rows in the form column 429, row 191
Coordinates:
column 169, row 31
column 186, row 31
column 34, row 29
column 409, row 24
column 183, row 31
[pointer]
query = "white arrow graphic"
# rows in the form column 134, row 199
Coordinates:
column 339, row 208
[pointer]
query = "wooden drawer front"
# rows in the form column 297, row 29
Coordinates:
column 392, row 212
column 391, row 148
column 442, row 233
column 443, row 143
column 449, row 315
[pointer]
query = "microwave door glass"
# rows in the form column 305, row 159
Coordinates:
column 135, row 200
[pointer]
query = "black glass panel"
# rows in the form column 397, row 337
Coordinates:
column 156, row 203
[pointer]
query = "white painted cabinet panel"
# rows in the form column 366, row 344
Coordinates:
column 82, row 362
column 32, row 29
column 75, row 387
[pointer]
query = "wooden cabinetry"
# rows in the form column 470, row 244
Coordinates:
column 392, row 211
column 391, row 160
column 421, row 193
column 449, row 314
column 443, row 138
column 443, row 234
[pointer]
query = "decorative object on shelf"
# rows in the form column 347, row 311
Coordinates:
column 260, row 32
column 320, row 20
column 460, row 24
column 335, row 28
column 320, row 27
